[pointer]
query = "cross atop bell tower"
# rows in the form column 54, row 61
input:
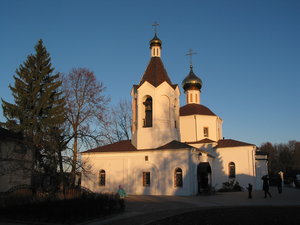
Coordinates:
column 155, row 25
column 155, row 43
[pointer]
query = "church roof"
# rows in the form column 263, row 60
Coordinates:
column 203, row 141
column 192, row 109
column 175, row 145
column 156, row 73
column 126, row 146
column 224, row 143
column 121, row 146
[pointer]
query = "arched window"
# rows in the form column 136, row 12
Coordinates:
column 231, row 169
column 148, row 112
column 178, row 177
column 102, row 178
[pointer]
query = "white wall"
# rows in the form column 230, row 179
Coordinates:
column 244, row 160
column 165, row 101
column 192, row 96
column 261, row 170
column 127, row 168
column 191, row 127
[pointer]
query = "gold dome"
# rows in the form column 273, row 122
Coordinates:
column 191, row 81
column 155, row 41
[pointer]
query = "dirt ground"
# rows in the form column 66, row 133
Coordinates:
column 236, row 216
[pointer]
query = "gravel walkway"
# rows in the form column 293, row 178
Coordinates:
column 141, row 210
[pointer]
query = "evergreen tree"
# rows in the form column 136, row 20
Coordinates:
column 38, row 111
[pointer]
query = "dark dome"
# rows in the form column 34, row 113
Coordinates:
column 155, row 41
column 191, row 81
column 195, row 109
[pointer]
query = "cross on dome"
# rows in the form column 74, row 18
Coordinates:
column 155, row 25
column 190, row 54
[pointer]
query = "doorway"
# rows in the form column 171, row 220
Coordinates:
column 203, row 177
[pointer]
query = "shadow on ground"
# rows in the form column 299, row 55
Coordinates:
column 236, row 216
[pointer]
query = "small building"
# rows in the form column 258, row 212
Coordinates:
column 15, row 161
column 174, row 150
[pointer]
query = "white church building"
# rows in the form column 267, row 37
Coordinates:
column 175, row 150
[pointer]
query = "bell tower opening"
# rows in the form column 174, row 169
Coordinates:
column 148, row 111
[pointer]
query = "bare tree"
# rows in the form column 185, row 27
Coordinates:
column 118, row 125
column 86, row 105
column 273, row 163
column 282, row 157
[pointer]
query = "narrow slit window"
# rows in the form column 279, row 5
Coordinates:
column 102, row 178
column 146, row 179
column 205, row 131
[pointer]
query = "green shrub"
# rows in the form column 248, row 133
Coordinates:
column 231, row 186
column 81, row 208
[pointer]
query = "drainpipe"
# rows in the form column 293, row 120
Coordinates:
column 196, row 127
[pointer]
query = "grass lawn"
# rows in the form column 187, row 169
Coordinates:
column 237, row 216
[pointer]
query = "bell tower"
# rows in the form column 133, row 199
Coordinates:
column 155, row 104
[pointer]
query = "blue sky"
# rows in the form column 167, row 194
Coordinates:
column 248, row 52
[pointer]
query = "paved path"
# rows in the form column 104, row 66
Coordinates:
column 141, row 210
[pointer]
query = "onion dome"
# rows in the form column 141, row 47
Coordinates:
column 191, row 81
column 155, row 41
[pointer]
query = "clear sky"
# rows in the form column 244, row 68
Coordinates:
column 248, row 52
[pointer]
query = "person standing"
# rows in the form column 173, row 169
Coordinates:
column 249, row 190
column 279, row 184
column 266, row 186
column 122, row 194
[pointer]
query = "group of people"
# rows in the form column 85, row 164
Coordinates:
column 266, row 186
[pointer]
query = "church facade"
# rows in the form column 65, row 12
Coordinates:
column 174, row 150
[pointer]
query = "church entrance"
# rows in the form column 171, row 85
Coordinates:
column 203, row 176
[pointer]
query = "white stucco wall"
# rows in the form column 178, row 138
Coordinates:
column 192, row 96
column 192, row 127
column 165, row 116
column 126, row 168
column 244, row 159
column 261, row 166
